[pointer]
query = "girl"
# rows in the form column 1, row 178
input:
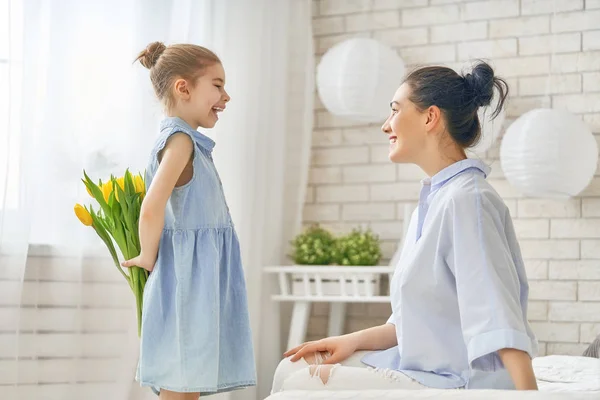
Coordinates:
column 459, row 294
column 196, row 335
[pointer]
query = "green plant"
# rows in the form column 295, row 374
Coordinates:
column 357, row 248
column 313, row 246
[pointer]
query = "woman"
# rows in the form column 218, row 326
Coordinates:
column 459, row 294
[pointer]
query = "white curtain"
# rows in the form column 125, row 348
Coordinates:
column 70, row 99
column 263, row 148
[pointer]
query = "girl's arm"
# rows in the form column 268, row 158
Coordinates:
column 518, row 364
column 175, row 157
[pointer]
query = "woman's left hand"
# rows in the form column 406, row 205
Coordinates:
column 518, row 364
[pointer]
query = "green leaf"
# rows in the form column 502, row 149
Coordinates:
column 119, row 235
column 357, row 248
column 134, row 250
column 123, row 202
column 130, row 215
column 313, row 247
column 129, row 186
column 135, row 227
column 96, row 192
column 109, row 244
column 115, row 207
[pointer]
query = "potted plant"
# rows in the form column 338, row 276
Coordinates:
column 314, row 246
column 317, row 246
column 357, row 248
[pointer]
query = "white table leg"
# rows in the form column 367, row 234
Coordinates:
column 299, row 323
column 337, row 315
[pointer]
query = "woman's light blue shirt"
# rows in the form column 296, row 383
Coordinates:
column 459, row 292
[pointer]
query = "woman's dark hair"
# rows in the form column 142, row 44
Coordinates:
column 458, row 96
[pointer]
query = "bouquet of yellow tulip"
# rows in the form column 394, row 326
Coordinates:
column 117, row 219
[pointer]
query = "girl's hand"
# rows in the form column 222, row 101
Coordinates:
column 340, row 348
column 141, row 261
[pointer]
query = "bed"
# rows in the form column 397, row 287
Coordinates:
column 559, row 377
column 429, row 394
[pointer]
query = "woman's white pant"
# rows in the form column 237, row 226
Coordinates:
column 351, row 374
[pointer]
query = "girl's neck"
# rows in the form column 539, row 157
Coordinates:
column 189, row 121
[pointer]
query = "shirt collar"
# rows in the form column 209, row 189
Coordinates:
column 452, row 170
column 202, row 140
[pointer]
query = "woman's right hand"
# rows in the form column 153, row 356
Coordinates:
column 340, row 348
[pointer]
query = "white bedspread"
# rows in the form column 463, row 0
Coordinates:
column 567, row 373
column 559, row 377
column 430, row 394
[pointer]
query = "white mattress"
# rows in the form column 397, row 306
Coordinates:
column 567, row 373
column 559, row 377
column 430, row 394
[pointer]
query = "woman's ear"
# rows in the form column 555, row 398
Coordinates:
column 433, row 117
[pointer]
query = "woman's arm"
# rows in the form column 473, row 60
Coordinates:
column 380, row 337
column 341, row 347
column 518, row 364
column 175, row 157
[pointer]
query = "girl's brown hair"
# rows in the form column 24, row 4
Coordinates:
column 166, row 64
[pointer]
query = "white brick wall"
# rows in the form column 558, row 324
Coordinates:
column 352, row 183
column 529, row 7
column 462, row 31
column 519, row 27
column 575, row 21
column 545, row 44
column 591, row 40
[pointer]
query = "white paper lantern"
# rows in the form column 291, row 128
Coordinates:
column 490, row 128
column 357, row 78
column 549, row 153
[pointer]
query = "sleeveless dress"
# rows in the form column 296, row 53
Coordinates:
column 195, row 327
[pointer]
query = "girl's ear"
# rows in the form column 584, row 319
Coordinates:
column 182, row 89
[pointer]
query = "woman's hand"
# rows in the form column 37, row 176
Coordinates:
column 141, row 261
column 518, row 364
column 340, row 348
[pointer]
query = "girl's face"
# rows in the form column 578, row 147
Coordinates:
column 200, row 104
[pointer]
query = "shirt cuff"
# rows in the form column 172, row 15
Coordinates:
column 482, row 349
column 391, row 320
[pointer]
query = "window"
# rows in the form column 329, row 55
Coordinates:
column 10, row 87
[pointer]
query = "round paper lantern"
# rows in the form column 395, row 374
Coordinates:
column 357, row 78
column 549, row 153
column 490, row 128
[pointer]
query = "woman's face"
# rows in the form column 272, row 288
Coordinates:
column 406, row 127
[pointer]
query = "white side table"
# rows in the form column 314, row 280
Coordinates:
column 336, row 285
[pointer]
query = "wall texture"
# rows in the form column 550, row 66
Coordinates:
column 76, row 324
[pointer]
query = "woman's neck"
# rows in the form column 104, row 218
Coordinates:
column 440, row 157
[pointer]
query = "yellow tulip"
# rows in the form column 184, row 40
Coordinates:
column 138, row 183
column 121, row 182
column 107, row 189
column 83, row 215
